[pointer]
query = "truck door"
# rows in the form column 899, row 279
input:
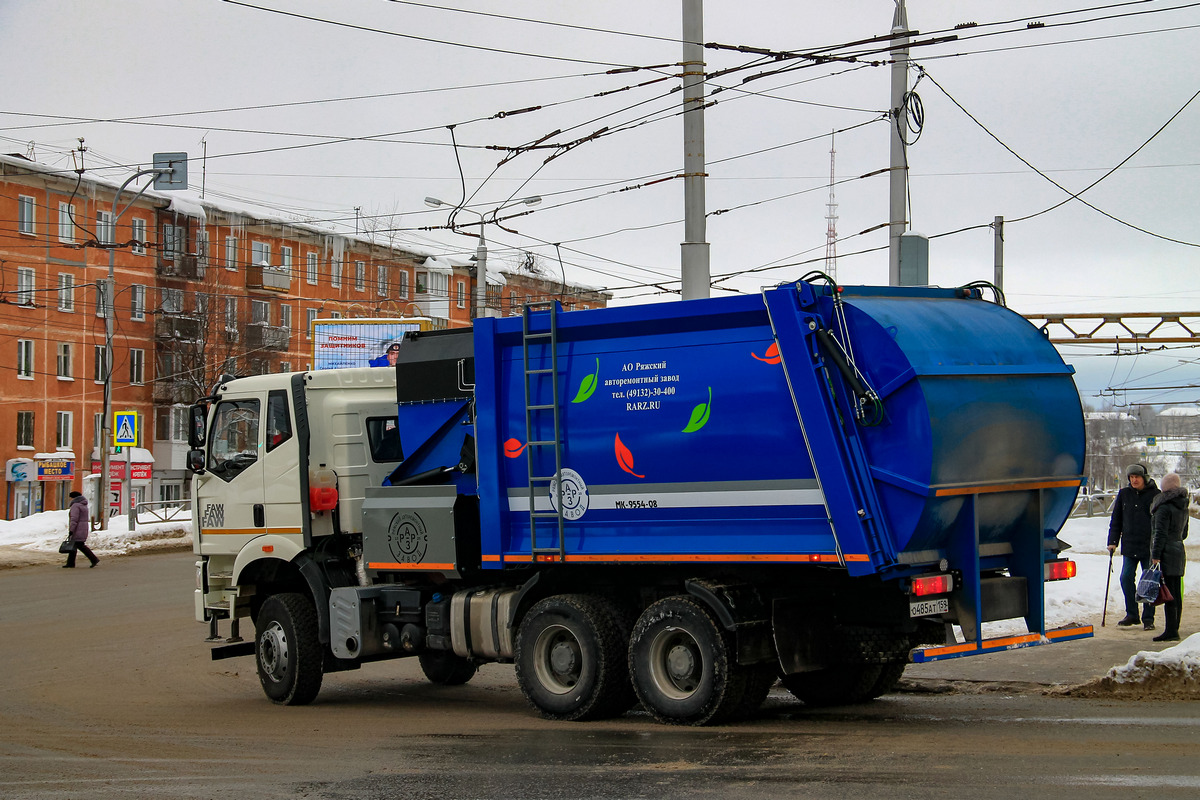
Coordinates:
column 230, row 501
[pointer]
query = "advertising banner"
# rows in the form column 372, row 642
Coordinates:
column 62, row 469
column 339, row 343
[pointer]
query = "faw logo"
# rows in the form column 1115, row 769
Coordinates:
column 214, row 516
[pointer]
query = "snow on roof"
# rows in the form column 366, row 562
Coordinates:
column 1107, row 415
column 1180, row 411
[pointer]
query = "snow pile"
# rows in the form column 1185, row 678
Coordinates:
column 1169, row 675
column 42, row 533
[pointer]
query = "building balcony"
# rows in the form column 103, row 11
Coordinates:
column 178, row 265
column 169, row 392
column 266, row 337
column 269, row 279
column 174, row 326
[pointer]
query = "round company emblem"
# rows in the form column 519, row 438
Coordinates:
column 407, row 538
column 574, row 495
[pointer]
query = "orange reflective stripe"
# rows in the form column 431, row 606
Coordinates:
column 1005, row 487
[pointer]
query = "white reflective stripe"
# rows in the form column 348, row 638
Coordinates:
column 634, row 500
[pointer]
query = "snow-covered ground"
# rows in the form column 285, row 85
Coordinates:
column 1079, row 600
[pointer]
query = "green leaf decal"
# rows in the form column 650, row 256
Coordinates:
column 700, row 415
column 588, row 385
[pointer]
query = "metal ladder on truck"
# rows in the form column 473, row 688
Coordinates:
column 535, row 411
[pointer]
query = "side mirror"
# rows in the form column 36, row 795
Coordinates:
column 195, row 461
column 197, row 417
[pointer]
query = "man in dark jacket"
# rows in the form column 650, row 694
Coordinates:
column 77, row 530
column 1169, row 521
column 1130, row 528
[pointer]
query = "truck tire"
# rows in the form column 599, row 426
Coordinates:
column 843, row 684
column 759, row 680
column 682, row 666
column 889, row 679
column 287, row 650
column 570, row 658
column 446, row 668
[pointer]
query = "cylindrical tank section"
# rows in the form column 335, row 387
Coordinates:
column 974, row 398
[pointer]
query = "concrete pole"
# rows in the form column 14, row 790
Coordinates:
column 998, row 228
column 898, row 205
column 694, row 249
column 481, row 274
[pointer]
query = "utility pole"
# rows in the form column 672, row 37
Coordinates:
column 694, row 250
column 898, row 206
column 998, row 250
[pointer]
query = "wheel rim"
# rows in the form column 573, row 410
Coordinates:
column 558, row 661
column 273, row 651
column 676, row 663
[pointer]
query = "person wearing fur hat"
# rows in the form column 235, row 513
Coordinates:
column 1130, row 528
column 1169, row 521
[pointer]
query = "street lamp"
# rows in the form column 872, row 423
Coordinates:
column 481, row 250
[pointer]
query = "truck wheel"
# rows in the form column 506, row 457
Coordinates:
column 759, row 680
column 843, row 684
column 681, row 664
column 889, row 679
column 287, row 649
column 570, row 658
column 446, row 668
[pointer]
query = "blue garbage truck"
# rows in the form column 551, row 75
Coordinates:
column 676, row 505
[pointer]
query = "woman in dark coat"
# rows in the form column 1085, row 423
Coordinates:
column 1169, row 524
column 77, row 530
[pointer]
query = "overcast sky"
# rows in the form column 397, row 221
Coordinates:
column 285, row 103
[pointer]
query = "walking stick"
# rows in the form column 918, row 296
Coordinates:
column 1107, row 580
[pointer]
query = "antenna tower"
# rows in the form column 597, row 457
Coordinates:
column 831, row 220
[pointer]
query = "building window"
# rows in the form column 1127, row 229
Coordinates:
column 231, row 314
column 402, row 285
column 97, row 429
column 285, row 317
column 62, row 431
column 231, row 247
column 310, row 274
column 201, row 252
column 106, row 230
column 311, row 315
column 285, row 260
column 25, row 359
column 137, row 366
column 172, row 300
column 171, row 424
column 66, row 291
column 138, row 248
column 98, row 371
column 460, row 294
column 381, row 280
column 335, row 272
column 174, row 240
column 202, row 307
column 25, row 429
column 260, row 254
column 260, row 312
column 64, row 361
column 285, row 366
column 514, row 303
column 66, row 222
column 360, row 275
column 26, row 283
column 137, row 302
column 26, row 214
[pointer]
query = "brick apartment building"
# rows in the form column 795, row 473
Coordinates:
column 199, row 289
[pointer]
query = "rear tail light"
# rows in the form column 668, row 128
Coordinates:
column 932, row 584
column 1060, row 570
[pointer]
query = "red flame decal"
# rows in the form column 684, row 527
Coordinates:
column 772, row 356
column 513, row 448
column 625, row 458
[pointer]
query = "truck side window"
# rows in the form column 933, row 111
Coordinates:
column 279, row 422
column 233, row 442
column 384, row 435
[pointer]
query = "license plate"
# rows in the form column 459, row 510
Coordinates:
column 925, row 608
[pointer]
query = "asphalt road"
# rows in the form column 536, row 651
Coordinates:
column 108, row 692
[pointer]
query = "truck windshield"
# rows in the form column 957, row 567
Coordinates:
column 233, row 441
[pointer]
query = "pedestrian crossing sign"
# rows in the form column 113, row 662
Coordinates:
column 125, row 428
